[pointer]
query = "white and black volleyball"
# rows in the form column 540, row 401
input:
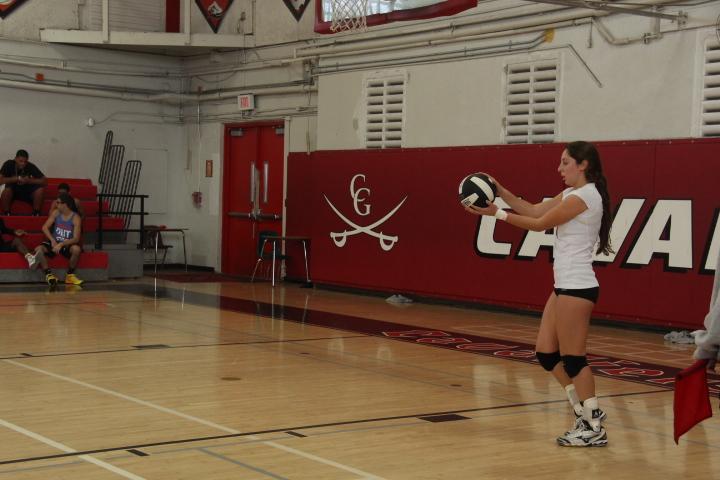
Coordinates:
column 477, row 189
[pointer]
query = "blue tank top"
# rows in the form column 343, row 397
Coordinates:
column 63, row 229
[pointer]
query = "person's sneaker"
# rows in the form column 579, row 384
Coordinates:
column 32, row 261
column 51, row 279
column 599, row 414
column 72, row 279
column 584, row 436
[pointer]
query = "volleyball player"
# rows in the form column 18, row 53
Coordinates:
column 581, row 215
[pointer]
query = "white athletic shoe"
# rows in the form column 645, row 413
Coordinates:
column 597, row 414
column 584, row 436
column 32, row 261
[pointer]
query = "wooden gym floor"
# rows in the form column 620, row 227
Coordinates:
column 162, row 380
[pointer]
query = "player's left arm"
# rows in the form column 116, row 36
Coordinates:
column 77, row 231
column 562, row 213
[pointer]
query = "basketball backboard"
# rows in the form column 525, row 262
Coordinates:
column 379, row 12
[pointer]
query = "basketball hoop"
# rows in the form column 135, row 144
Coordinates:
column 348, row 15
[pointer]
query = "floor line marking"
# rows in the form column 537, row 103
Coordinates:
column 172, row 347
column 66, row 449
column 192, row 418
column 319, row 318
column 225, row 458
column 254, row 435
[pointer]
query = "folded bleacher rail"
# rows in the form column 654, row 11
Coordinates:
column 131, row 177
column 102, row 178
column 118, row 197
column 114, row 169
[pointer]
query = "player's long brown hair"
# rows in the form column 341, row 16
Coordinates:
column 67, row 199
column 580, row 151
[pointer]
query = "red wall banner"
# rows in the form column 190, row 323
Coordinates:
column 390, row 220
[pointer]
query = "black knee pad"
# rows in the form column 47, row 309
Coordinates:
column 573, row 364
column 548, row 360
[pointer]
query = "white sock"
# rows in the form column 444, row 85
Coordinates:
column 590, row 405
column 573, row 399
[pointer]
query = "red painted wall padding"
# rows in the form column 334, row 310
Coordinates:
column 435, row 254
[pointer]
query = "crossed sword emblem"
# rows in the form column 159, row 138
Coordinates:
column 387, row 242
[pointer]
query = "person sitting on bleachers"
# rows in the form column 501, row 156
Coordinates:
column 63, row 231
column 65, row 188
column 16, row 245
column 23, row 181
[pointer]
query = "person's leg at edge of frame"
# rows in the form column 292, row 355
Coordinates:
column 6, row 198
column 50, row 277
column 71, row 278
column 23, row 250
column 573, row 322
column 548, row 353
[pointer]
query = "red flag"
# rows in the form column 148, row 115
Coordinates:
column 692, row 398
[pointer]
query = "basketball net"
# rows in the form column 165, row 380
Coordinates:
column 348, row 15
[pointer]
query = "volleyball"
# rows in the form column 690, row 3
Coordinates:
column 477, row 189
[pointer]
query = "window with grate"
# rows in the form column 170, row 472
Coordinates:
column 531, row 99
column 710, row 106
column 130, row 15
column 385, row 110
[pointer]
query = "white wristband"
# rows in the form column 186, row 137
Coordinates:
column 501, row 215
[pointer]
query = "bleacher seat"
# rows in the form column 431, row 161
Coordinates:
column 93, row 265
column 69, row 181
column 34, row 224
column 15, row 261
column 89, row 206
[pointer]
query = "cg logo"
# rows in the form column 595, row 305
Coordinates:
column 359, row 196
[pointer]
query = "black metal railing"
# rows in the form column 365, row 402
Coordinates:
column 113, row 197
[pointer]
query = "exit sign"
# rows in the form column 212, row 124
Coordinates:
column 246, row 101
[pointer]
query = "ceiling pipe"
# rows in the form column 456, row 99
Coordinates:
column 171, row 98
column 66, row 68
column 635, row 10
column 85, row 92
column 610, row 38
column 458, row 54
column 485, row 36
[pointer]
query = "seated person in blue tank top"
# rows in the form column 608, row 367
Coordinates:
column 63, row 231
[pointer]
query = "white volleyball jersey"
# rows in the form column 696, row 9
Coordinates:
column 575, row 241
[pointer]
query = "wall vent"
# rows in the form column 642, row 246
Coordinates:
column 710, row 104
column 531, row 99
column 385, row 110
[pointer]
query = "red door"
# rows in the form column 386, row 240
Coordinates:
column 252, row 192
